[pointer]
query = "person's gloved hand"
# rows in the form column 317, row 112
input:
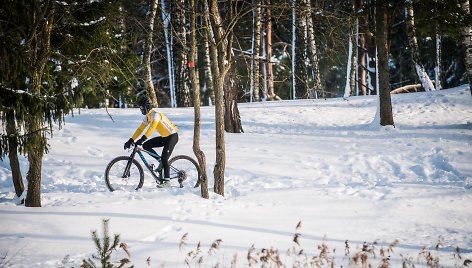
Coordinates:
column 128, row 143
column 141, row 140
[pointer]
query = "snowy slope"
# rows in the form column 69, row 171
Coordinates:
column 320, row 162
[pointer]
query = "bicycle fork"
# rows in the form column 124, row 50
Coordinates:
column 128, row 165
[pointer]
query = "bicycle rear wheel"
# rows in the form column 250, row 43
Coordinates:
column 116, row 178
column 186, row 170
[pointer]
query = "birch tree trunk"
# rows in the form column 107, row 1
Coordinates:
column 210, row 92
column 256, row 48
column 317, row 87
column 166, row 17
column 203, row 180
column 381, row 40
column 301, row 71
column 294, row 46
column 348, row 89
column 148, row 84
column 468, row 44
column 420, row 71
column 182, row 88
column 437, row 69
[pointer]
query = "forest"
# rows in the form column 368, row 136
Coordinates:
column 59, row 55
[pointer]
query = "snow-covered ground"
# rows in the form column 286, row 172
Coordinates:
column 318, row 162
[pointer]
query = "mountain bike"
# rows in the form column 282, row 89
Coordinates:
column 125, row 173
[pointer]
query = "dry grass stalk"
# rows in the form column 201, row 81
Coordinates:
column 393, row 245
column 431, row 261
column 183, row 242
column 250, row 259
column 194, row 255
column 346, row 248
column 234, row 260
column 385, row 263
column 215, row 246
column 124, row 246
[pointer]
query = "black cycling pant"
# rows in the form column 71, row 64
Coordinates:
column 168, row 143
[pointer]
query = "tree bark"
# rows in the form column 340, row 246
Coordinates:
column 40, row 48
column 256, row 47
column 231, row 111
column 350, row 72
column 166, row 17
column 232, row 117
column 270, row 72
column 381, row 38
column 148, row 84
column 301, row 71
column 317, row 87
column 420, row 71
column 36, row 141
column 294, row 47
column 13, row 153
column 220, row 67
column 210, row 89
column 180, row 54
column 468, row 44
column 203, row 180
column 362, row 54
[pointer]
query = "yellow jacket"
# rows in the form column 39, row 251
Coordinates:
column 156, row 121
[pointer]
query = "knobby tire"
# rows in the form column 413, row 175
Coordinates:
column 114, row 175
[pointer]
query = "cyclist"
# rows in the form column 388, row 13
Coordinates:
column 156, row 121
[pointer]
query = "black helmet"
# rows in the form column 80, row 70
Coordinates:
column 144, row 105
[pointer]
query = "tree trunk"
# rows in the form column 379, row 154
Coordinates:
column 40, row 48
column 381, row 38
column 232, row 117
column 166, row 17
column 437, row 69
column 220, row 67
column 317, row 87
column 468, row 44
column 348, row 88
column 301, row 71
column 180, row 54
column 210, row 89
column 149, row 86
column 420, row 71
column 256, row 47
column 36, row 141
column 270, row 72
column 196, row 103
column 13, row 153
column 362, row 54
column 294, row 46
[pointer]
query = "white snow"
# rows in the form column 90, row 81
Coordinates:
column 320, row 162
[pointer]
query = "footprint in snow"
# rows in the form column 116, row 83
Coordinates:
column 93, row 151
column 163, row 233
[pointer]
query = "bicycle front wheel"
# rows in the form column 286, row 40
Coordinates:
column 118, row 179
column 186, row 170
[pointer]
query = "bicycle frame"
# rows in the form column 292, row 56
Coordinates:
column 140, row 151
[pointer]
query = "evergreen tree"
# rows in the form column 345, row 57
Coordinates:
column 53, row 53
